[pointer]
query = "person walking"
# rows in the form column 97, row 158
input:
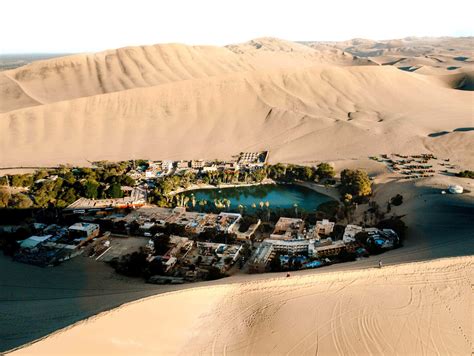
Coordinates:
column 380, row 263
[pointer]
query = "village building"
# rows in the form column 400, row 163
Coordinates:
column 350, row 232
column 288, row 229
column 84, row 230
column 291, row 247
column 324, row 227
column 256, row 159
column 33, row 241
column 198, row 164
column 330, row 250
column 260, row 260
column 182, row 164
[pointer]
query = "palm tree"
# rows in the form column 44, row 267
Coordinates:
column 201, row 205
column 186, row 201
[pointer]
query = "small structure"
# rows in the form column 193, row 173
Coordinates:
column 84, row 230
column 182, row 164
column 197, row 164
column 350, row 232
column 291, row 247
column 455, row 189
column 33, row 241
column 324, row 227
column 226, row 221
column 259, row 262
column 330, row 250
column 288, row 229
column 255, row 159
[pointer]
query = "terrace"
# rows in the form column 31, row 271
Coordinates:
column 288, row 229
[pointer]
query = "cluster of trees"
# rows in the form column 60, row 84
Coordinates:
column 355, row 184
column 291, row 172
column 279, row 172
column 60, row 187
column 465, row 174
column 17, row 200
column 107, row 179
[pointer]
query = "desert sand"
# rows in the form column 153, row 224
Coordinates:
column 298, row 100
column 418, row 308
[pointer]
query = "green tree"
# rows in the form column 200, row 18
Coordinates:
column 355, row 182
column 69, row 178
column 41, row 174
column 21, row 201
column 69, row 196
column 115, row 191
column 22, row 180
column 325, row 170
column 91, row 189
column 5, row 196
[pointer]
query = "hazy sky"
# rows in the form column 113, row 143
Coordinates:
column 93, row 25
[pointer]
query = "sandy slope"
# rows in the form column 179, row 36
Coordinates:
column 83, row 75
column 328, row 112
column 408, row 309
column 174, row 101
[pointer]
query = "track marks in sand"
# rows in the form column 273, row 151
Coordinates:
column 411, row 309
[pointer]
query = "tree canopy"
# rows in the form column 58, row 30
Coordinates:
column 355, row 183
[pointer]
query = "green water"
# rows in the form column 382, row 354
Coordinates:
column 278, row 196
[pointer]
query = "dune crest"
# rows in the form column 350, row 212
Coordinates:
column 299, row 100
column 344, row 313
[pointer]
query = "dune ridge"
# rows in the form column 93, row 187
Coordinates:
column 183, row 102
column 336, row 313
column 296, row 113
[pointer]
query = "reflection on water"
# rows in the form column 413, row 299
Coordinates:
column 277, row 196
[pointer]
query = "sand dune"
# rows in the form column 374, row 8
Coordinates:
column 115, row 70
column 84, row 75
column 415, row 308
column 177, row 101
column 296, row 113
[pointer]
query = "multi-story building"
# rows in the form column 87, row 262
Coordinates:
column 324, row 227
column 288, row 229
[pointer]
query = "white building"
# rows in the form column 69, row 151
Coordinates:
column 227, row 221
column 290, row 247
column 324, row 227
column 212, row 168
column 83, row 229
column 350, row 232
column 167, row 166
column 33, row 241
column 259, row 261
column 288, row 229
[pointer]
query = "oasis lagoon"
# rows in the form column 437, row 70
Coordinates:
column 271, row 196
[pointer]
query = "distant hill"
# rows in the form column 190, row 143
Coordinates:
column 12, row 61
column 302, row 101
